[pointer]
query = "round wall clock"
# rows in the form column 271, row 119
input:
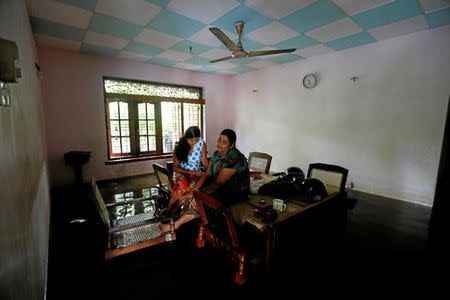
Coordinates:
column 310, row 81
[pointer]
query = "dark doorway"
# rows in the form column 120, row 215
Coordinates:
column 440, row 214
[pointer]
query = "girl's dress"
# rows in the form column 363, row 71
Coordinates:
column 183, row 182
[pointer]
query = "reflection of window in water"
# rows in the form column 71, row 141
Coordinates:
column 154, row 191
column 145, row 193
column 120, row 197
column 149, row 205
column 123, row 211
column 138, row 207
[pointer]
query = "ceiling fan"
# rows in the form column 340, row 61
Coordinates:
column 238, row 50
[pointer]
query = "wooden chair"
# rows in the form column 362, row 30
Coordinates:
column 334, row 177
column 258, row 161
column 218, row 228
column 330, row 219
column 165, row 181
column 169, row 166
column 130, row 233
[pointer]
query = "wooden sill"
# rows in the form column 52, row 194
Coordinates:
column 136, row 159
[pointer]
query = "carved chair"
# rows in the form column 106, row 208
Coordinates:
column 219, row 230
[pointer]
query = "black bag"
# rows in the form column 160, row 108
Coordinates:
column 279, row 189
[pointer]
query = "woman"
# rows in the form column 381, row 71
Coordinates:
column 227, row 178
column 189, row 162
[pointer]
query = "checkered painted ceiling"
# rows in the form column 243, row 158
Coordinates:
column 175, row 33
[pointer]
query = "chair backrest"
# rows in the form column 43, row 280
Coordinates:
column 165, row 181
column 258, row 161
column 100, row 204
column 334, row 177
column 217, row 218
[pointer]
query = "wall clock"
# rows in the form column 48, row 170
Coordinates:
column 310, row 81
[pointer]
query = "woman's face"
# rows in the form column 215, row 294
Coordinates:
column 223, row 144
column 192, row 141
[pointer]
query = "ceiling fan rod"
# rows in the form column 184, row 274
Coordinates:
column 239, row 27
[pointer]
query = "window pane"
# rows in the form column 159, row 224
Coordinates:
column 113, row 110
column 115, row 145
column 123, row 107
column 152, row 143
column 124, row 128
column 192, row 115
column 142, row 128
column 151, row 127
column 125, row 145
column 150, row 111
column 171, row 124
column 143, row 143
column 115, row 129
column 141, row 111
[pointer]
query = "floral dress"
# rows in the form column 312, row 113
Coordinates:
column 184, row 183
column 194, row 160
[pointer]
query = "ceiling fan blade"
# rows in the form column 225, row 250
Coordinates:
column 224, row 39
column 220, row 59
column 269, row 52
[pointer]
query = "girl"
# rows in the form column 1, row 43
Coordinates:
column 189, row 163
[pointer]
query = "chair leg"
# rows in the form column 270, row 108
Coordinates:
column 200, row 238
column 240, row 276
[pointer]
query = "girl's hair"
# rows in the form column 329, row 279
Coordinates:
column 231, row 135
column 192, row 132
column 182, row 147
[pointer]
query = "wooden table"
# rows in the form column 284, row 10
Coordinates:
column 244, row 213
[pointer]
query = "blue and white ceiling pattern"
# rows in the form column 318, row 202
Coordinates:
column 175, row 33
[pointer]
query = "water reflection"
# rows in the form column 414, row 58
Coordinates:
column 138, row 207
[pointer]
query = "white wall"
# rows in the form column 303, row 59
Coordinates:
column 75, row 113
column 386, row 127
column 24, row 197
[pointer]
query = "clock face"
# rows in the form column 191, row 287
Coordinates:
column 310, row 81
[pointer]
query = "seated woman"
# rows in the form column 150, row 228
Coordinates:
column 227, row 178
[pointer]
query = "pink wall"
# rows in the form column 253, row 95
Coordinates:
column 24, row 196
column 75, row 114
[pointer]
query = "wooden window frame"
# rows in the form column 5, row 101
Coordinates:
column 133, row 117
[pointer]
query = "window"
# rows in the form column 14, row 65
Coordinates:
column 145, row 119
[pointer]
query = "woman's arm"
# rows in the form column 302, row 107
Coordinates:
column 224, row 176
column 203, row 178
column 205, row 161
column 180, row 221
column 180, row 170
